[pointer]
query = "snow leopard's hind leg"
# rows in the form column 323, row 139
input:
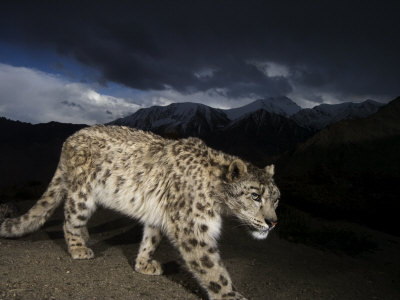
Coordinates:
column 78, row 209
column 145, row 264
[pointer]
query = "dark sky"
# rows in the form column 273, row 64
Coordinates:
column 222, row 53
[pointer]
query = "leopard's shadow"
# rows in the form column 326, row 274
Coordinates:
column 128, row 238
column 124, row 238
column 175, row 271
column 172, row 264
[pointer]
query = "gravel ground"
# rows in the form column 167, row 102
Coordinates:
column 38, row 267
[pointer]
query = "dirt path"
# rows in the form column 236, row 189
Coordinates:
column 38, row 267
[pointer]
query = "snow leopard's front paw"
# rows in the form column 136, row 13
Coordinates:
column 81, row 253
column 233, row 296
column 148, row 266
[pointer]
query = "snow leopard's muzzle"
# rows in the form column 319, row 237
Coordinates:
column 262, row 233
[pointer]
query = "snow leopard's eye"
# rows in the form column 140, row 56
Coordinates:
column 256, row 197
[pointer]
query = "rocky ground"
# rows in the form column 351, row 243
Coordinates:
column 38, row 266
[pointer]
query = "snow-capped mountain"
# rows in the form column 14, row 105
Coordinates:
column 278, row 105
column 180, row 119
column 254, row 126
column 194, row 119
column 184, row 119
column 325, row 114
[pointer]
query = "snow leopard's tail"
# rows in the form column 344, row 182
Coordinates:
column 38, row 214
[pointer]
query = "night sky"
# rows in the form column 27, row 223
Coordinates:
column 95, row 61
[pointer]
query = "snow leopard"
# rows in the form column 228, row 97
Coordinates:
column 176, row 188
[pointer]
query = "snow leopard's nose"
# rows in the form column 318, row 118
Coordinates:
column 271, row 222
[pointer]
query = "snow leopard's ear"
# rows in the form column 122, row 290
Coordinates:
column 270, row 170
column 236, row 170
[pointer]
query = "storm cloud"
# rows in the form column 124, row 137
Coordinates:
column 310, row 50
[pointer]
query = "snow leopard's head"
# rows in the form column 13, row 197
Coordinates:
column 252, row 196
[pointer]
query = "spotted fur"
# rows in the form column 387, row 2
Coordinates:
column 177, row 188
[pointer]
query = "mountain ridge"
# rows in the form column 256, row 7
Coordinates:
column 281, row 105
column 182, row 119
column 179, row 120
column 323, row 115
column 176, row 117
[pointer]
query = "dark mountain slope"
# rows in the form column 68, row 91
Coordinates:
column 351, row 168
column 29, row 153
column 259, row 137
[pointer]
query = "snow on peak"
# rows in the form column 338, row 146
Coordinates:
column 182, row 117
column 325, row 114
column 278, row 105
column 187, row 117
